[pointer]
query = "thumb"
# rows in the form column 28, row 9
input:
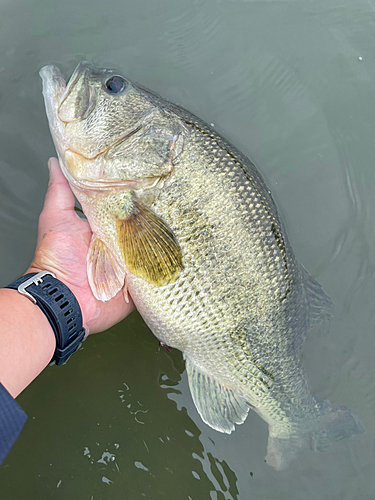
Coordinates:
column 58, row 203
column 59, row 195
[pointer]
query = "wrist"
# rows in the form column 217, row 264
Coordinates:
column 60, row 307
column 27, row 341
column 73, row 288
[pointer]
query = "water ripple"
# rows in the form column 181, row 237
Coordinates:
column 190, row 31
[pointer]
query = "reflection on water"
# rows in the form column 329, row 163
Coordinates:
column 282, row 80
column 223, row 479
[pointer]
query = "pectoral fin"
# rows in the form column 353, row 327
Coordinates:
column 149, row 246
column 218, row 406
column 106, row 276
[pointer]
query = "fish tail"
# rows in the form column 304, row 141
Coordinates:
column 333, row 424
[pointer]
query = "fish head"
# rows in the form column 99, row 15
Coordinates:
column 115, row 143
column 100, row 125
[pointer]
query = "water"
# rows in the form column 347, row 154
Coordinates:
column 284, row 82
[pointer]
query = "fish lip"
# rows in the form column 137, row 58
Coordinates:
column 54, row 87
column 52, row 73
column 83, row 69
column 111, row 184
column 103, row 184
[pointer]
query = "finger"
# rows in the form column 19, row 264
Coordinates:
column 59, row 195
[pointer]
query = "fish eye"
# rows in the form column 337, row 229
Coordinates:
column 115, row 85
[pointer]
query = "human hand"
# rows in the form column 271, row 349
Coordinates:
column 62, row 245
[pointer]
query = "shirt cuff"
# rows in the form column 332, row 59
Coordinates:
column 12, row 419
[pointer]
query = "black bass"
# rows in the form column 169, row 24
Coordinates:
column 185, row 223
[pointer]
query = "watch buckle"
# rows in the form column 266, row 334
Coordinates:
column 34, row 280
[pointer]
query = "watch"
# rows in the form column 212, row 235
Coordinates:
column 61, row 308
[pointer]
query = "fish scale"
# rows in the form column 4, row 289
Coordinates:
column 232, row 308
column 187, row 222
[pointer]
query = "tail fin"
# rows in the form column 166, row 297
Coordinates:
column 334, row 423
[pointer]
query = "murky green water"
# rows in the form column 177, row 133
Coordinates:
column 283, row 81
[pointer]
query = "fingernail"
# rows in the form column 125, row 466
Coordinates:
column 49, row 164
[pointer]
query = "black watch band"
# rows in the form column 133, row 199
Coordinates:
column 61, row 308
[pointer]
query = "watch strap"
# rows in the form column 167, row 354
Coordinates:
column 61, row 308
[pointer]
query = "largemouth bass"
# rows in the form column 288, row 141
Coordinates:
column 184, row 222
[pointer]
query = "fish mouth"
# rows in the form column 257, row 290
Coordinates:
column 54, row 87
column 54, row 91
column 110, row 184
column 54, row 84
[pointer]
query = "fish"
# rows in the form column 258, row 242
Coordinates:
column 184, row 222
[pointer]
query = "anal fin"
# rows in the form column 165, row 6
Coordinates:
column 218, row 406
column 106, row 276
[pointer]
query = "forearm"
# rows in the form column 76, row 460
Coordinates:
column 27, row 341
